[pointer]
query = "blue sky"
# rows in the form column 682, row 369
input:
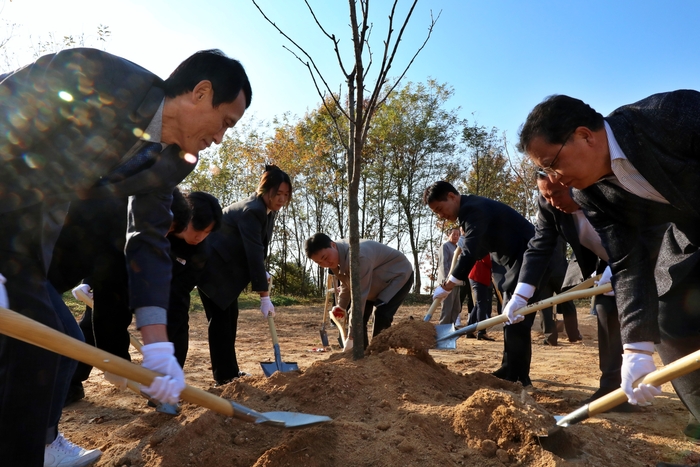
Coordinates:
column 501, row 57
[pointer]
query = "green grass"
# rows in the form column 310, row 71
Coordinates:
column 246, row 300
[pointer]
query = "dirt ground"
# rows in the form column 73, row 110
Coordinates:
column 396, row 407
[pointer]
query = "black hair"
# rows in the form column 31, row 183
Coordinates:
column 556, row 118
column 182, row 212
column 271, row 180
column 227, row 76
column 438, row 192
column 316, row 243
column 205, row 210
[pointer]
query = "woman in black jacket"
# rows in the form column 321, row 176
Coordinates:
column 237, row 258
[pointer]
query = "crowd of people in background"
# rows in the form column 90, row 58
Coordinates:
column 99, row 211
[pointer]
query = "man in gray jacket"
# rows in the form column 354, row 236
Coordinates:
column 386, row 277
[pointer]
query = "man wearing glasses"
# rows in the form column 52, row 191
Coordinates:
column 636, row 174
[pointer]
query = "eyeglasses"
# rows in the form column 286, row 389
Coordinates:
column 550, row 170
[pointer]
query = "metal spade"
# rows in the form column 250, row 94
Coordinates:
column 27, row 330
column 447, row 340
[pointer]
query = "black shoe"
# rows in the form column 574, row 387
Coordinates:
column 484, row 337
column 223, row 382
column 578, row 339
column 625, row 407
column 470, row 335
column 75, row 393
column 547, row 342
column 598, row 394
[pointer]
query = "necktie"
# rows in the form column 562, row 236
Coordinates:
column 142, row 159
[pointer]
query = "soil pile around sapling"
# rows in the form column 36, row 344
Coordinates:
column 397, row 406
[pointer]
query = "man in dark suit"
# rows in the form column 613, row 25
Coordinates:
column 490, row 227
column 636, row 174
column 82, row 123
column 560, row 217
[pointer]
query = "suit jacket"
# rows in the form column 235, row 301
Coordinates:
column 239, row 250
column 67, row 120
column 383, row 272
column 652, row 246
column 188, row 263
column 492, row 227
column 553, row 224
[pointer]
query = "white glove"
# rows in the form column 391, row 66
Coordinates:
column 160, row 357
column 347, row 344
column 635, row 366
column 513, row 305
column 605, row 279
column 4, row 301
column 338, row 313
column 266, row 307
column 118, row 381
column 84, row 288
column 440, row 293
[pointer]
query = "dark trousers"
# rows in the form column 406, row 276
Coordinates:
column 82, row 370
column 384, row 312
column 517, row 347
column 66, row 366
column 482, row 305
column 107, row 325
column 179, row 331
column 679, row 322
column 609, row 341
column 27, row 373
column 223, row 324
column 549, row 324
column 517, row 351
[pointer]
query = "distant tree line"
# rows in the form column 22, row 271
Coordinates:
column 415, row 139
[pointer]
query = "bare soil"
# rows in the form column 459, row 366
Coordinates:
column 402, row 405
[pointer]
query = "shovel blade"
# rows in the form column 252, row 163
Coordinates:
column 278, row 419
column 324, row 337
column 447, row 335
column 443, row 341
column 269, row 368
column 294, row 419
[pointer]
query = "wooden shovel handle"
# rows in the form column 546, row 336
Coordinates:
column 585, row 284
column 25, row 329
column 329, row 284
column 557, row 299
column 680, row 367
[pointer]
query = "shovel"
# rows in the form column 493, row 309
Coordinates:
column 448, row 340
column 323, row 332
column 429, row 315
column 169, row 409
column 25, row 329
column 278, row 365
column 557, row 440
column 680, row 367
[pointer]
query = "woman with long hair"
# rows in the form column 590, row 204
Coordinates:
column 237, row 259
